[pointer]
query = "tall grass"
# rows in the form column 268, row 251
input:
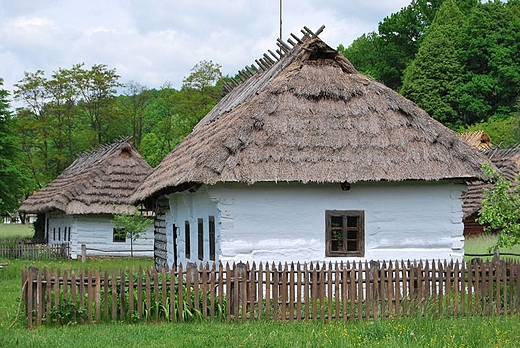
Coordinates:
column 402, row 332
column 409, row 332
column 16, row 231
column 482, row 244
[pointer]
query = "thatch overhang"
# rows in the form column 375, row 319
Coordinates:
column 311, row 117
column 507, row 162
column 98, row 182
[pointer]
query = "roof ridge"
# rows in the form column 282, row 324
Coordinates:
column 266, row 62
column 503, row 151
column 103, row 148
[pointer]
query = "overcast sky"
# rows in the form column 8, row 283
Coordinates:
column 153, row 42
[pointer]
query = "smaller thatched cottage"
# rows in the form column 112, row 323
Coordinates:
column 507, row 162
column 309, row 160
column 78, row 206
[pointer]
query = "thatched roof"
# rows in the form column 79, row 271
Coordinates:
column 311, row 117
column 98, row 182
column 478, row 139
column 507, row 162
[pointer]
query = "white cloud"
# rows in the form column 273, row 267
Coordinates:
column 155, row 41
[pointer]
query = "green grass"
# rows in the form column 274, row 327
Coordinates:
column 409, row 332
column 12, row 231
column 401, row 332
column 481, row 244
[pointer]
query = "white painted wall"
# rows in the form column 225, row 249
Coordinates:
column 186, row 206
column 96, row 232
column 286, row 221
column 57, row 227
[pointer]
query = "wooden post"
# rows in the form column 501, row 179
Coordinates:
column 83, row 253
column 242, row 290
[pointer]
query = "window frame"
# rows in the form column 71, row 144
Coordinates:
column 360, row 229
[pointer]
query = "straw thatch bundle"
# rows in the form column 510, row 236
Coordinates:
column 98, row 182
column 478, row 139
column 311, row 117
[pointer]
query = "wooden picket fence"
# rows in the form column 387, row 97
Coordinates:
column 288, row 292
column 35, row 251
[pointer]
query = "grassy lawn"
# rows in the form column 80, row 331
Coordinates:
column 481, row 244
column 422, row 332
column 396, row 332
column 399, row 332
column 11, row 231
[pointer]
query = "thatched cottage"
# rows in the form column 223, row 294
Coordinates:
column 308, row 160
column 507, row 162
column 78, row 206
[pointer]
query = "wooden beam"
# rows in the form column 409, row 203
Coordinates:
column 260, row 65
column 283, row 45
column 274, row 55
column 296, row 38
column 269, row 59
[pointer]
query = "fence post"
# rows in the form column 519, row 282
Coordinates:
column 83, row 253
column 191, row 269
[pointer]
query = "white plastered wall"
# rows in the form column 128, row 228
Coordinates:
column 286, row 221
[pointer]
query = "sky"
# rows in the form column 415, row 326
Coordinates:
column 158, row 42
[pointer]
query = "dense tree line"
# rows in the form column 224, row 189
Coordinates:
column 457, row 59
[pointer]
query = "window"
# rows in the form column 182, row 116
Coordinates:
column 174, row 246
column 118, row 235
column 187, row 239
column 201, row 239
column 47, row 231
column 345, row 233
column 211, row 238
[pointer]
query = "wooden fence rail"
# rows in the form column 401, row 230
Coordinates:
column 35, row 251
column 288, row 292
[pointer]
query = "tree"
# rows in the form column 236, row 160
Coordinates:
column 363, row 54
column 501, row 209
column 432, row 79
column 399, row 38
column 34, row 124
column 97, row 89
column 490, row 55
column 173, row 113
column 134, row 104
column 204, row 74
column 131, row 226
column 13, row 179
column 384, row 55
column 72, row 111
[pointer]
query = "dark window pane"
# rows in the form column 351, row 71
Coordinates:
column 351, row 246
column 201, row 239
column 336, row 221
column 212, row 241
column 187, row 239
column 352, row 221
column 119, row 235
column 337, row 245
column 352, row 235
